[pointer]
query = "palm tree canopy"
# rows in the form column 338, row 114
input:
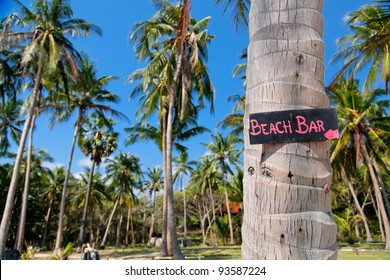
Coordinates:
column 239, row 10
column 362, row 117
column 367, row 46
column 10, row 123
column 97, row 138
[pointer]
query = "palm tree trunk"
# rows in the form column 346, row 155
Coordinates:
column 152, row 214
column 6, row 219
column 378, row 194
column 91, row 237
column 378, row 214
column 103, row 243
column 132, row 227
column 288, row 214
column 227, row 204
column 143, row 225
column 213, row 209
column 81, row 239
column 164, row 243
column 64, row 189
column 357, row 204
column 46, row 221
column 23, row 211
column 168, row 180
column 119, row 226
column 382, row 186
column 127, row 227
column 185, row 209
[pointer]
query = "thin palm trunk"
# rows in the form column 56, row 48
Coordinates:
column 152, row 214
column 185, row 209
column 118, row 228
column 227, row 204
column 213, row 209
column 378, row 214
column 91, row 237
column 6, row 219
column 143, row 225
column 81, row 239
column 382, row 186
column 288, row 213
column 168, row 180
column 357, row 204
column 23, row 211
column 130, row 214
column 378, row 194
column 164, row 244
column 103, row 243
column 46, row 221
column 65, row 187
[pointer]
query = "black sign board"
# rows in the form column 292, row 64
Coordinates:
column 293, row 126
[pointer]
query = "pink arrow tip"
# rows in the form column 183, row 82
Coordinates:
column 332, row 134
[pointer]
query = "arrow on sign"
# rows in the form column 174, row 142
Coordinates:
column 332, row 134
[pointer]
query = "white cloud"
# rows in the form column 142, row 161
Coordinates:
column 85, row 162
column 51, row 165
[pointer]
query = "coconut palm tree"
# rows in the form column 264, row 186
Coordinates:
column 183, row 167
column 224, row 152
column 154, row 183
column 55, row 180
column 207, row 177
column 97, row 140
column 96, row 198
column 280, row 77
column 46, row 45
column 359, row 113
column 124, row 171
column 367, row 46
column 176, row 46
column 89, row 94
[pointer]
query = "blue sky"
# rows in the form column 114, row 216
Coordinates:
column 114, row 56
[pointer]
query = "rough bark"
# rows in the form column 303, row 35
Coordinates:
column 64, row 189
column 357, row 204
column 8, row 209
column 287, row 203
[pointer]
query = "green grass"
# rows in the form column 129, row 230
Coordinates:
column 358, row 251
column 363, row 255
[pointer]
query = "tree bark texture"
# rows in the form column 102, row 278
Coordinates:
column 287, row 199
